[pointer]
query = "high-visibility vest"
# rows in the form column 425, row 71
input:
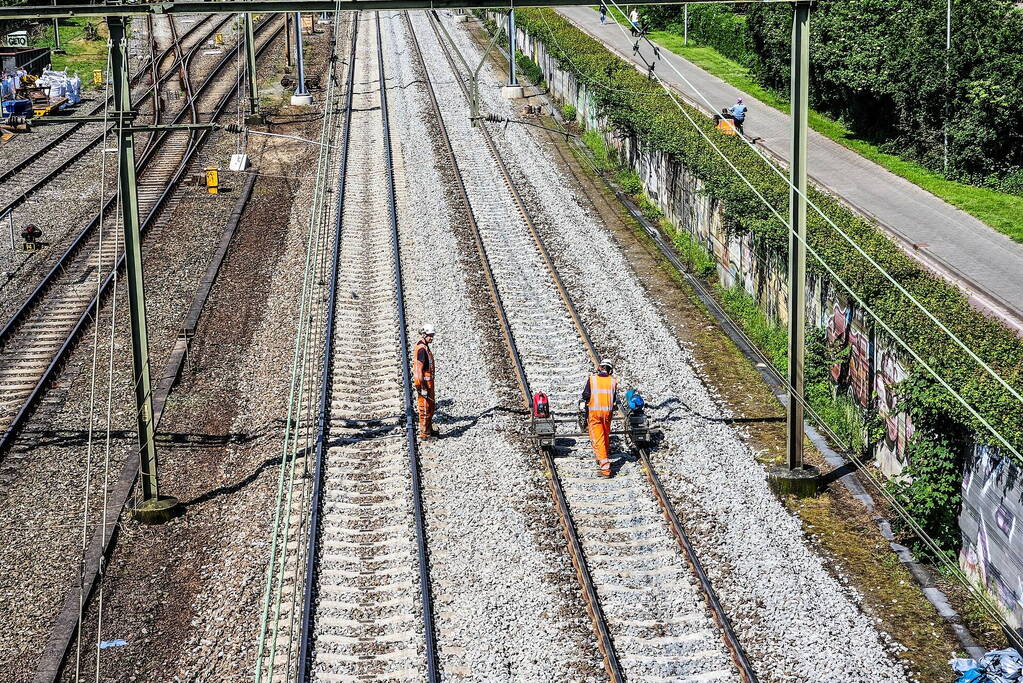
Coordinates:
column 602, row 393
column 417, row 368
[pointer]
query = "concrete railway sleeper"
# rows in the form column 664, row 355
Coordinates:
column 368, row 608
column 626, row 543
column 40, row 334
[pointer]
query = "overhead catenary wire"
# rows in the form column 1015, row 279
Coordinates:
column 118, row 223
column 940, row 555
column 92, row 381
column 837, row 278
column 296, row 402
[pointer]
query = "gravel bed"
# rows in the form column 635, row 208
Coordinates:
column 795, row 620
column 49, row 462
column 506, row 598
column 228, row 415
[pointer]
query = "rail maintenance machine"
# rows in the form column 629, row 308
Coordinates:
column 630, row 421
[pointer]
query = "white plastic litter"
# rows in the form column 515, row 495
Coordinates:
column 997, row 666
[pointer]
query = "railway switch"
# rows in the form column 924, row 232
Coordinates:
column 31, row 234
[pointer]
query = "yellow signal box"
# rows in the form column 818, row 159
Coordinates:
column 212, row 179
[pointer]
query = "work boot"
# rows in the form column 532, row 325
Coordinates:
column 434, row 432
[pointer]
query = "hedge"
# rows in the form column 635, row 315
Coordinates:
column 712, row 25
column 635, row 105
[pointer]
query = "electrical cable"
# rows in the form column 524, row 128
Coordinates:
column 837, row 229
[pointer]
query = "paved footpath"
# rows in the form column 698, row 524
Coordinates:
column 985, row 263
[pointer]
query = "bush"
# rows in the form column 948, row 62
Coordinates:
column 568, row 112
column 712, row 25
column 629, row 181
column 880, row 68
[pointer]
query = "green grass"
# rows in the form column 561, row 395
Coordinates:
column 1003, row 212
column 81, row 55
column 772, row 339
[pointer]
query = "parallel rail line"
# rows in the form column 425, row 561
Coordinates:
column 39, row 336
column 83, row 130
column 584, row 493
column 360, row 613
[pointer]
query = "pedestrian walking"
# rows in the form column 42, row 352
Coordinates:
column 738, row 112
column 603, row 13
column 634, row 20
column 599, row 402
column 423, row 377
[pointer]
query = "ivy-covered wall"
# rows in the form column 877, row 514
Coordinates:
column 909, row 422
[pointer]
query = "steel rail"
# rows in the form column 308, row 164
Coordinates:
column 605, row 643
column 410, row 425
column 305, row 639
column 731, row 641
column 150, row 91
column 80, row 239
column 426, row 600
column 7, row 438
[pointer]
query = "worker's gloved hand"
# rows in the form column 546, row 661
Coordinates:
column 582, row 406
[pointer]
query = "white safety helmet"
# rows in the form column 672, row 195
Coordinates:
column 606, row 365
column 428, row 330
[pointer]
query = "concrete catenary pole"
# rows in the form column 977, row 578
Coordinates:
column 154, row 508
column 301, row 96
column 797, row 215
column 511, row 48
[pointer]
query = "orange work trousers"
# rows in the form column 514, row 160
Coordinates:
column 599, row 424
column 427, row 404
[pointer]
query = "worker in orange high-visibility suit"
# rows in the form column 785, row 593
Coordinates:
column 599, row 400
column 423, row 377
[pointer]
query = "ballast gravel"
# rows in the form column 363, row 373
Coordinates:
column 505, row 596
column 794, row 619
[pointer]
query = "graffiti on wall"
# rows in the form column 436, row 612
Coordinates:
column 992, row 554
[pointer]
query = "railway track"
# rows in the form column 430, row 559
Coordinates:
column 38, row 337
column 632, row 558
column 29, row 176
column 367, row 612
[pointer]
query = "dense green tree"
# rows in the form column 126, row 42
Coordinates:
column 880, row 67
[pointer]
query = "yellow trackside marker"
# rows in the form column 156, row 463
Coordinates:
column 218, row 39
column 97, row 76
column 212, row 179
